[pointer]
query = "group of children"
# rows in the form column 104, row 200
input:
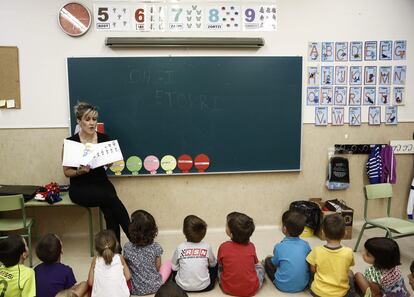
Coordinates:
column 293, row 267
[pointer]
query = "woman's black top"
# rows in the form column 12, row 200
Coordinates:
column 97, row 175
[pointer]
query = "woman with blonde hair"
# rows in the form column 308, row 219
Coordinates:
column 91, row 187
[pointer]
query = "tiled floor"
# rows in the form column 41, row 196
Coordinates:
column 76, row 252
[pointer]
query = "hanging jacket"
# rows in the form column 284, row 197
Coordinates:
column 389, row 172
column 374, row 165
column 410, row 204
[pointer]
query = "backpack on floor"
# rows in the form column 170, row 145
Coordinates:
column 311, row 211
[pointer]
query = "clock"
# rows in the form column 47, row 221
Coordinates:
column 74, row 19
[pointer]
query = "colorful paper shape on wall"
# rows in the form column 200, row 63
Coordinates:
column 117, row 167
column 134, row 164
column 201, row 162
column 168, row 163
column 184, row 163
column 151, row 164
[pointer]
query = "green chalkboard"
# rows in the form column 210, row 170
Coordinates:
column 244, row 113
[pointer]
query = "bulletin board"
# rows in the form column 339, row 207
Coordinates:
column 9, row 77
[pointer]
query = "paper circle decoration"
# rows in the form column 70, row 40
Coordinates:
column 185, row 162
column 117, row 167
column 168, row 163
column 201, row 162
column 134, row 164
column 151, row 164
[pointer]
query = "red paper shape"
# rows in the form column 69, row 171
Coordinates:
column 201, row 162
column 100, row 127
column 184, row 163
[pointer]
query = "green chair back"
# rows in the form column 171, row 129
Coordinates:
column 11, row 202
column 378, row 191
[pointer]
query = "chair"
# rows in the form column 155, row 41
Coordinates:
column 394, row 227
column 16, row 202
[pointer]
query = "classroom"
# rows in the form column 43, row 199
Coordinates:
column 32, row 133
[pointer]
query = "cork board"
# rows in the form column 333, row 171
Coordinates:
column 9, row 77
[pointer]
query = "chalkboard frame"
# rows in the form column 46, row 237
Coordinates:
column 298, row 77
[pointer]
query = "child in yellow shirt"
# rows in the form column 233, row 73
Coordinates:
column 16, row 279
column 330, row 263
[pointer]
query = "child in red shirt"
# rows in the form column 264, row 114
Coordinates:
column 240, row 273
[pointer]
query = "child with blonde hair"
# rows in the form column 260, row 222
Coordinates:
column 143, row 255
column 109, row 272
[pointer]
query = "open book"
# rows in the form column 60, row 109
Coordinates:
column 94, row 155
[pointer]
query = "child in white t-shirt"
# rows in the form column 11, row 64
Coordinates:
column 194, row 263
column 109, row 272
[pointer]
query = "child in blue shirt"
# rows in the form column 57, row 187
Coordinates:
column 288, row 269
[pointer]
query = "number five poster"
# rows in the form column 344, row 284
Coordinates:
column 112, row 17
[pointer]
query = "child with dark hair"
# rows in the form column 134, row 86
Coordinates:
column 330, row 263
column 17, row 280
column 288, row 269
column 193, row 262
column 52, row 276
column 240, row 273
column 384, row 277
column 143, row 255
column 170, row 289
column 109, row 272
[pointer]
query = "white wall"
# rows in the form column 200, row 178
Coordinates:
column 43, row 47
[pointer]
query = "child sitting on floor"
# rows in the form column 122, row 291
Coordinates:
column 240, row 273
column 330, row 263
column 384, row 277
column 143, row 255
column 17, row 280
column 109, row 272
column 193, row 261
column 288, row 269
column 52, row 276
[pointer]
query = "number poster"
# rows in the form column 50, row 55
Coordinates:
column 151, row 16
column 351, row 81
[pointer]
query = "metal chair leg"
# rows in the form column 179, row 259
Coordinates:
column 29, row 240
column 360, row 236
column 101, row 219
column 90, row 230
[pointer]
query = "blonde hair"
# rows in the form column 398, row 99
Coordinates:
column 83, row 108
column 105, row 245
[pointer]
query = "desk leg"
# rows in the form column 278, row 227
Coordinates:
column 90, row 230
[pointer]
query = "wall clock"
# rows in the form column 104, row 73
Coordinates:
column 74, row 19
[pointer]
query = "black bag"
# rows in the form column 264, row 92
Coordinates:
column 338, row 174
column 311, row 211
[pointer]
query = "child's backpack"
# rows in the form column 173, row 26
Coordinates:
column 311, row 211
column 338, row 174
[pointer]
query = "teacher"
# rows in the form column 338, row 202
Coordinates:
column 91, row 187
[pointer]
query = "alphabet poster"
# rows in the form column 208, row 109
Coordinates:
column 360, row 75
